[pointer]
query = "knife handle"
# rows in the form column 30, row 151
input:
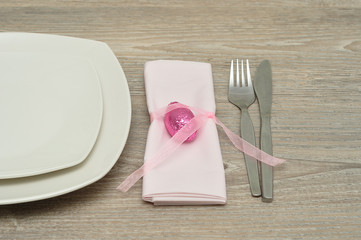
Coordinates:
column 266, row 170
column 247, row 133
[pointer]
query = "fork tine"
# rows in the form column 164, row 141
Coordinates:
column 249, row 83
column 243, row 81
column 231, row 79
column 237, row 75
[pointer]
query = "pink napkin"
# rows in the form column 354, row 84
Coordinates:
column 194, row 173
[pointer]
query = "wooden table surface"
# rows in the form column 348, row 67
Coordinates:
column 315, row 51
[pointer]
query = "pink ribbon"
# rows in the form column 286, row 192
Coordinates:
column 187, row 130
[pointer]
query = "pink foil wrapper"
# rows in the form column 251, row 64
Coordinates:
column 176, row 119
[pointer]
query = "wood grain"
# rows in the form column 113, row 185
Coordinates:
column 315, row 51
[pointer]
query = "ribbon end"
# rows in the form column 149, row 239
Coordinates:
column 280, row 161
column 123, row 188
column 131, row 180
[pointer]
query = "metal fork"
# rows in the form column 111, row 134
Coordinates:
column 242, row 95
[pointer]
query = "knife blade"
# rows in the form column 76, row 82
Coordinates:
column 263, row 89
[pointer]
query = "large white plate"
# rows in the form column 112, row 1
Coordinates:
column 51, row 110
column 115, row 124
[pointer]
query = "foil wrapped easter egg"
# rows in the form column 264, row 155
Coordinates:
column 175, row 119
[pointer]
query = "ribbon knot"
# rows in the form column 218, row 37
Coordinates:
column 182, row 135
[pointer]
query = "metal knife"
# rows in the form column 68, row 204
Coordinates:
column 263, row 89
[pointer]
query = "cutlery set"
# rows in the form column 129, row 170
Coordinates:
column 241, row 93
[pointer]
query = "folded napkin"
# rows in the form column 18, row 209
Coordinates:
column 194, row 173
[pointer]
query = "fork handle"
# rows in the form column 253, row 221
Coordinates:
column 247, row 133
column 266, row 170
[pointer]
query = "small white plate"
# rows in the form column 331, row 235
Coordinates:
column 51, row 110
column 114, row 128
